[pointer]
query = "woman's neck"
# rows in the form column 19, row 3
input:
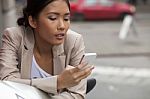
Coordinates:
column 42, row 47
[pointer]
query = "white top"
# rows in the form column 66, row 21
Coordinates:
column 36, row 71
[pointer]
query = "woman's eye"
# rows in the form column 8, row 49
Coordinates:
column 67, row 18
column 52, row 18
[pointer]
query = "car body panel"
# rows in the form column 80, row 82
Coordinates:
column 100, row 9
column 12, row 90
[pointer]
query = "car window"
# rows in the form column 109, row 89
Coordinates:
column 90, row 2
column 106, row 2
column 73, row 0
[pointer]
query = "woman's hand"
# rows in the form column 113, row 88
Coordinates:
column 73, row 76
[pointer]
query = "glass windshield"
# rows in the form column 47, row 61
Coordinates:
column 90, row 2
column 106, row 2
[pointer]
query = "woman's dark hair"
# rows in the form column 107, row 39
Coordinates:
column 33, row 8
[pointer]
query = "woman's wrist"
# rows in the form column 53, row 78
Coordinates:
column 59, row 84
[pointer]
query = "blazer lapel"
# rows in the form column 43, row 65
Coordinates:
column 59, row 59
column 27, row 54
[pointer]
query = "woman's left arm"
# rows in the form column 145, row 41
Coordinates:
column 78, row 91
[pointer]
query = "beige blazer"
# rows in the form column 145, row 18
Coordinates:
column 16, row 57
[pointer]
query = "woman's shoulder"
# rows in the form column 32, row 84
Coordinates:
column 72, row 35
column 14, row 32
column 72, row 38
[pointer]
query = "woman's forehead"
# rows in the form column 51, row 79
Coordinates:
column 57, row 5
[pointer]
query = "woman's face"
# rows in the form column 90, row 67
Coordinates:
column 52, row 23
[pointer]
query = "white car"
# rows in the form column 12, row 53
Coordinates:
column 12, row 90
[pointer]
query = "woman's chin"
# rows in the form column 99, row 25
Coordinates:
column 58, row 43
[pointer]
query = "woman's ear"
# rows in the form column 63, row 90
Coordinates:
column 32, row 22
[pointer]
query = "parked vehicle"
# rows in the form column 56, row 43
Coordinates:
column 99, row 9
column 12, row 90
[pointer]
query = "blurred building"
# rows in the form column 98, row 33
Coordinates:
column 7, row 14
column 1, row 18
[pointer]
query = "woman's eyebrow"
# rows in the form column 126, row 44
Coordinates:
column 67, row 13
column 57, row 13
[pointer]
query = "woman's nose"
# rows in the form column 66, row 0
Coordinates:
column 61, row 25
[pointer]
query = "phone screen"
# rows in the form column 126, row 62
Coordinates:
column 90, row 57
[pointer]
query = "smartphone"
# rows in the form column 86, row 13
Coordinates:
column 89, row 58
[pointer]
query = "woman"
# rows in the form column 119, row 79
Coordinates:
column 42, row 52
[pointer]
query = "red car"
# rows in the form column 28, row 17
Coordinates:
column 99, row 9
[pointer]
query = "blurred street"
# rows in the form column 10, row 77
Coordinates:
column 122, row 67
column 102, row 36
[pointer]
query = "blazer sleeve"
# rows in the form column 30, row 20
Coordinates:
column 76, row 47
column 78, row 50
column 8, row 56
column 76, row 44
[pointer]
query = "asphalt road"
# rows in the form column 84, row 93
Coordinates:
column 122, row 67
column 121, row 78
column 102, row 37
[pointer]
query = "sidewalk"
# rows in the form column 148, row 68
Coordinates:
column 134, row 44
column 102, row 37
column 111, row 45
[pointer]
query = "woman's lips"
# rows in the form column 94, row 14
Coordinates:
column 60, row 36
